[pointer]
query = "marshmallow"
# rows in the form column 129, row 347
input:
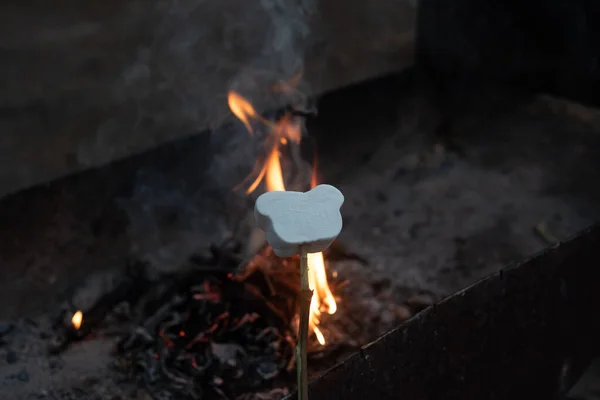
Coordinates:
column 291, row 220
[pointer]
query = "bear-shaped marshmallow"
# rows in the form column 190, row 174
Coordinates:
column 291, row 220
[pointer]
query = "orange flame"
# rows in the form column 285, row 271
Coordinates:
column 242, row 109
column 314, row 178
column 282, row 132
column 77, row 320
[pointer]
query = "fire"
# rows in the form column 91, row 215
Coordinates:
column 281, row 133
column 77, row 319
column 242, row 109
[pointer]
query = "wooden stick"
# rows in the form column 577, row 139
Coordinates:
column 301, row 347
column 294, row 223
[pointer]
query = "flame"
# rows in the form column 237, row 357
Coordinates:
column 314, row 178
column 281, row 133
column 77, row 319
column 242, row 109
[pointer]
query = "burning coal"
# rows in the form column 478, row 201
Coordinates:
column 77, row 319
column 286, row 132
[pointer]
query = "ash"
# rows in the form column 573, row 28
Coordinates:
column 216, row 330
column 206, row 334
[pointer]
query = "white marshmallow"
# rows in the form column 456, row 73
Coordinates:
column 291, row 220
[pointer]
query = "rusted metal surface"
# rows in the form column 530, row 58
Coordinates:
column 531, row 328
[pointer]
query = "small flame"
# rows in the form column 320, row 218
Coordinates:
column 242, row 109
column 314, row 178
column 274, row 176
column 282, row 132
column 77, row 319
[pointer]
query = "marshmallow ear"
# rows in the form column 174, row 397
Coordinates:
column 328, row 195
column 291, row 220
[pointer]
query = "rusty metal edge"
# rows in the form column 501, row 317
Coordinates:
column 527, row 329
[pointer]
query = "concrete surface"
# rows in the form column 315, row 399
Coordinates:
column 88, row 83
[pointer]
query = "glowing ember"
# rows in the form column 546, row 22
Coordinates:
column 77, row 320
column 281, row 133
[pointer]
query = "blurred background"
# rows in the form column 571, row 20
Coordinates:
column 465, row 136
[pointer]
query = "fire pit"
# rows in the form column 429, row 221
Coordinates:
column 205, row 330
column 529, row 329
column 166, row 290
column 223, row 324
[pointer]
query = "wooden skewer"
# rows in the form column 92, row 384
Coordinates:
column 301, row 223
column 301, row 347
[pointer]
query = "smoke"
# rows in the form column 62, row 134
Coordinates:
column 272, row 78
column 281, row 58
column 198, row 51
